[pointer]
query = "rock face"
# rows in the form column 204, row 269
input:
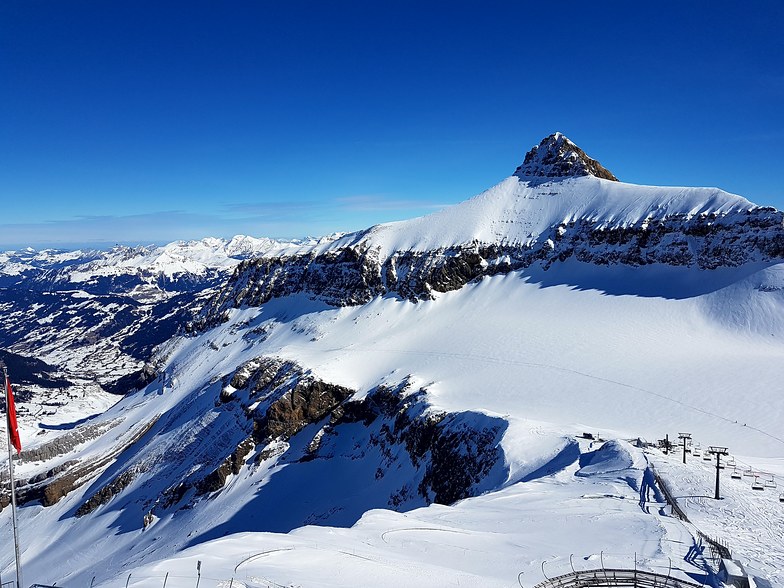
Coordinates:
column 275, row 412
column 352, row 276
column 55, row 483
column 346, row 276
column 557, row 157
column 453, row 453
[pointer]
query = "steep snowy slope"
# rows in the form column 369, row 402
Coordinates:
column 455, row 359
column 523, row 208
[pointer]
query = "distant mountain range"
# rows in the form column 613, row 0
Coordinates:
column 178, row 266
column 97, row 314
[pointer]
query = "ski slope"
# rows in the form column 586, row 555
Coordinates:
column 598, row 511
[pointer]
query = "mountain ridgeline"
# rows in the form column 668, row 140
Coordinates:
column 630, row 225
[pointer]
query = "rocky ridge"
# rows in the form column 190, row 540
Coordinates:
column 353, row 276
column 704, row 229
column 557, row 157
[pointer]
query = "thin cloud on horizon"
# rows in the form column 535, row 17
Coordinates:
column 278, row 219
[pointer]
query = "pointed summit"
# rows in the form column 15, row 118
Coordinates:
column 557, row 157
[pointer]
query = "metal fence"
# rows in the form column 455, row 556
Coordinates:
column 611, row 577
column 719, row 549
column 187, row 581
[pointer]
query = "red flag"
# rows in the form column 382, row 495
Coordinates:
column 13, row 429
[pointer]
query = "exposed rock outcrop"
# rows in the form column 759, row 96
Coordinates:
column 704, row 242
column 557, row 157
column 453, row 453
column 449, row 455
column 231, row 465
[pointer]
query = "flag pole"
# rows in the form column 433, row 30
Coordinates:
column 8, row 404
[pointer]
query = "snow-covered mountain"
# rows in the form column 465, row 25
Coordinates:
column 181, row 265
column 419, row 403
column 534, row 218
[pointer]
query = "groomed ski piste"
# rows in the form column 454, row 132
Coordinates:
column 553, row 353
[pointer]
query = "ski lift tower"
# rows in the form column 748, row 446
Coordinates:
column 685, row 437
column 718, row 452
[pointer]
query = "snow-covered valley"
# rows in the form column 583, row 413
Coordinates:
column 421, row 403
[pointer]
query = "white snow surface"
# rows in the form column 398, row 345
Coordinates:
column 518, row 209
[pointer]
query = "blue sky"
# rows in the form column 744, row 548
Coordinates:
column 138, row 122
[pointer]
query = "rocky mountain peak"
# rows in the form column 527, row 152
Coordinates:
column 557, row 157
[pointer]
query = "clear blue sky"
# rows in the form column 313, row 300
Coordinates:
column 138, row 121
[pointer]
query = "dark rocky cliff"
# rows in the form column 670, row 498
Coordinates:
column 557, row 157
column 353, row 275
